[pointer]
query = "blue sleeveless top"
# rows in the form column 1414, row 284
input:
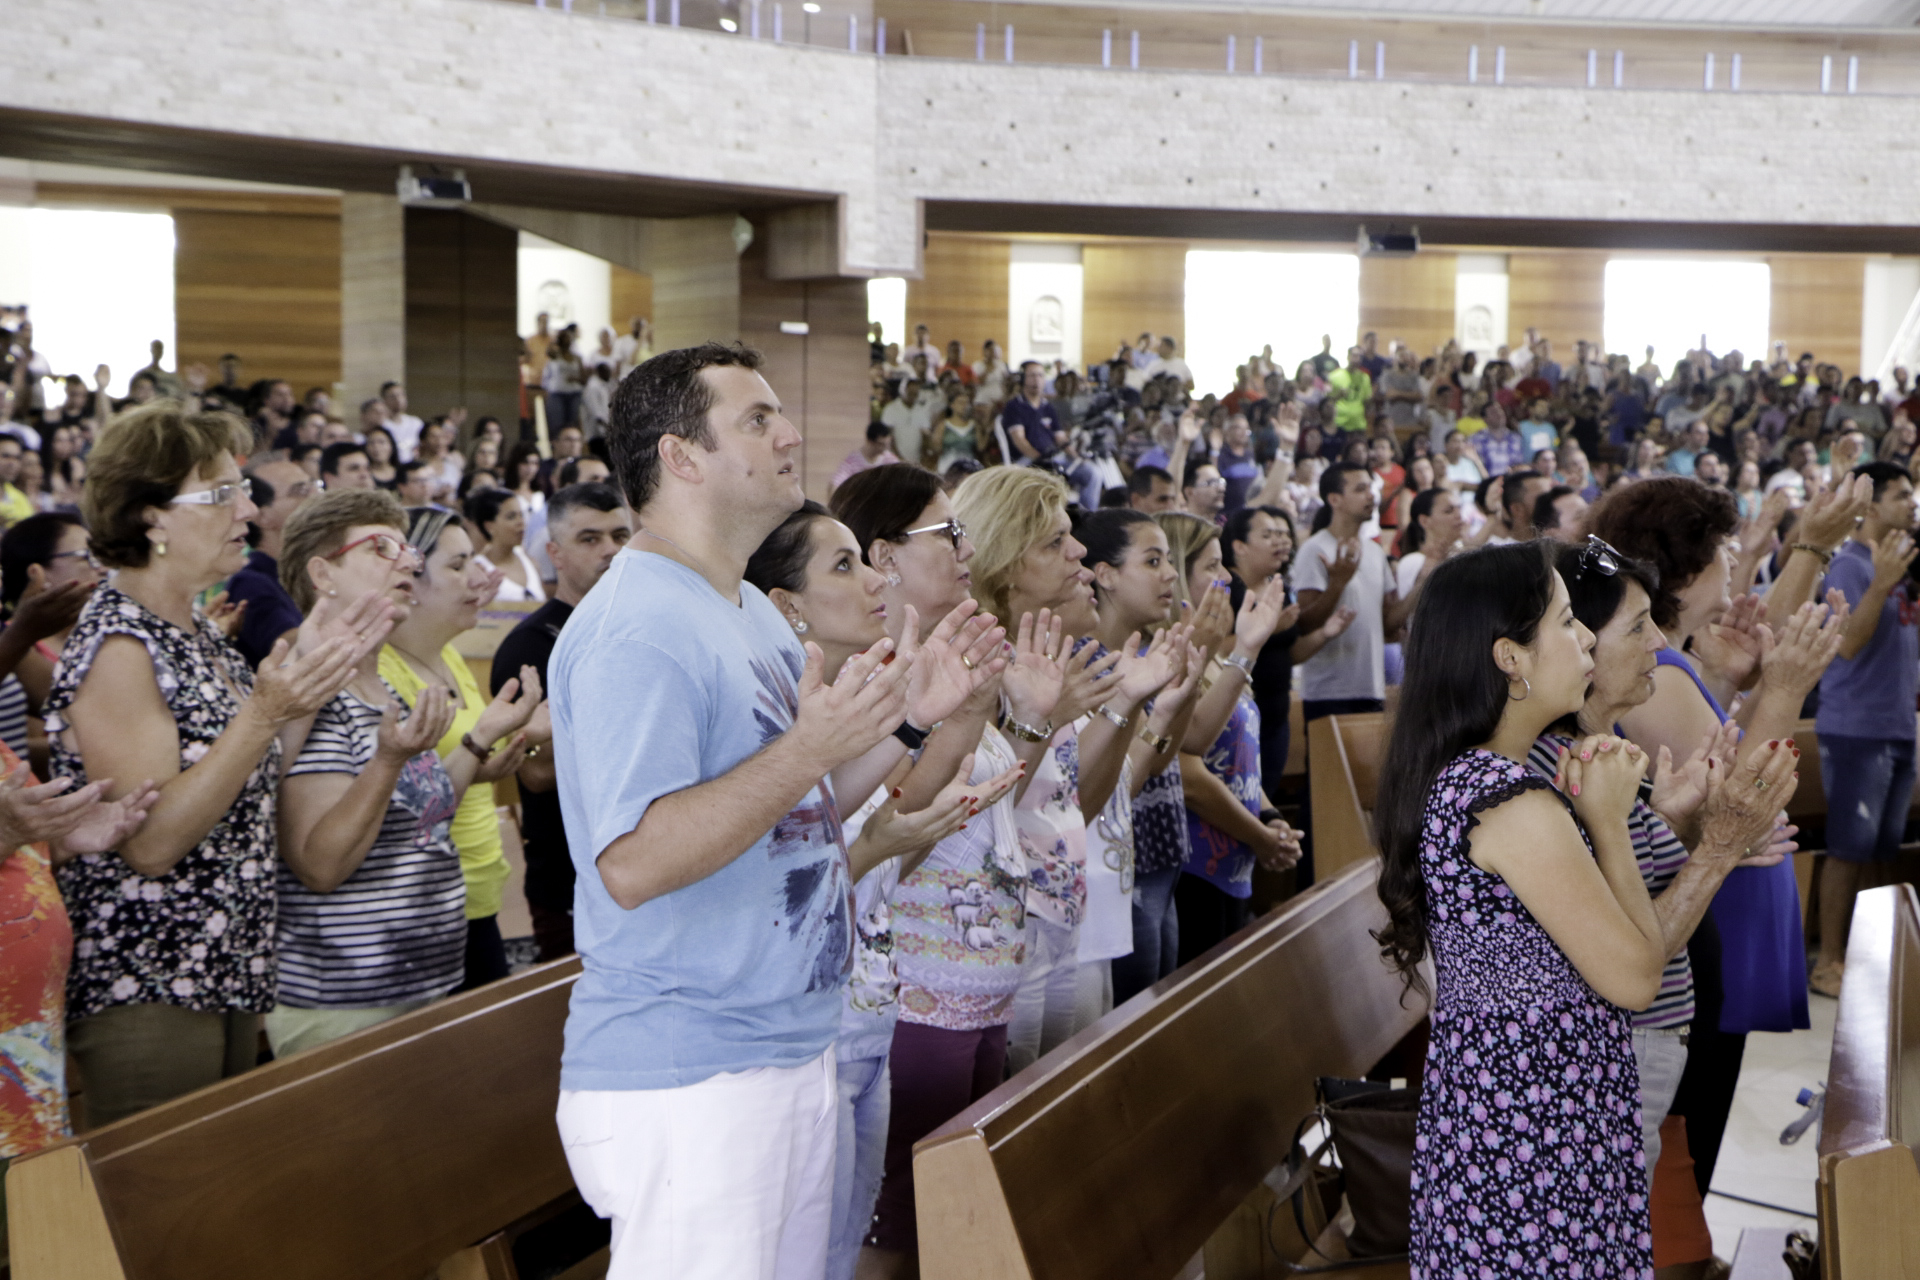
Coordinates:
column 1763, row 956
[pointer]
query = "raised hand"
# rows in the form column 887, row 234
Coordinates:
column 957, row 657
column 1891, row 557
column 511, row 708
column 1145, row 673
column 364, row 622
column 1830, row 517
column 1089, row 682
column 1679, row 792
column 50, row 610
column 1345, row 563
column 1738, row 643
column 1034, row 680
column 505, row 760
column 405, row 734
column 1336, row 625
column 891, row 834
column 1212, row 619
column 1745, row 799
column 1808, row 642
column 836, row 722
column 1260, row 616
column 288, row 688
column 1190, row 426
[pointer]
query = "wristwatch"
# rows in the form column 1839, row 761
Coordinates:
column 1158, row 741
column 1024, row 732
column 914, row 738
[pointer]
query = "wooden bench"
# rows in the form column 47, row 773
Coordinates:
column 1343, row 775
column 1123, row 1151
column 419, row 1145
column 1869, row 1185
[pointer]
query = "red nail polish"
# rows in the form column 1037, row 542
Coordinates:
column 1772, row 743
column 897, row 793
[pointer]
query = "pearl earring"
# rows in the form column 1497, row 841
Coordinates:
column 160, row 549
column 800, row 626
column 893, row 579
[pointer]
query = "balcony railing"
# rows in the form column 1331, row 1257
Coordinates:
column 1250, row 42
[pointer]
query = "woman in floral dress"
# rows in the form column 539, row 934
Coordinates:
column 173, row 956
column 1527, row 1156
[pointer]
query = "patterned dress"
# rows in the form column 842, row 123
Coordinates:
column 1527, row 1157
column 199, row 935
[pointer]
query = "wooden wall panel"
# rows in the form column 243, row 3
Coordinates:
column 1817, row 303
column 1409, row 299
column 696, row 282
column 1560, row 293
column 373, row 296
column 1128, row 289
column 962, row 294
column 265, row 286
column 631, row 295
column 462, row 349
column 820, row 376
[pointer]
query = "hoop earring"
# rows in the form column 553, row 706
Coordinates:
column 1523, row 697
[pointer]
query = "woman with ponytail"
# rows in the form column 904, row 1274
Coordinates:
column 1527, row 897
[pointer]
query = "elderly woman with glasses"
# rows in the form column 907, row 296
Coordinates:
column 174, row 956
column 1693, row 821
column 372, row 899
column 448, row 590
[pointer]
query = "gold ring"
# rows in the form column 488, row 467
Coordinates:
column 966, row 662
column 1760, row 783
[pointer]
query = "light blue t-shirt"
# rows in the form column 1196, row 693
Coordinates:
column 659, row 684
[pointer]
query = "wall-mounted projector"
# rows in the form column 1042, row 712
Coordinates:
column 1389, row 244
column 433, row 191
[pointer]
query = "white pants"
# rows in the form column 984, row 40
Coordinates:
column 728, row 1179
column 1661, row 1056
column 1058, row 996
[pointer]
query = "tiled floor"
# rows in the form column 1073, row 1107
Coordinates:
column 1753, row 1163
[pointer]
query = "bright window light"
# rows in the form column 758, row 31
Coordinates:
column 728, row 24
column 887, row 306
column 97, row 286
column 1670, row 303
column 1239, row 301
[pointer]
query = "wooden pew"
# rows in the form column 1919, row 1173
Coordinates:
column 1121, row 1152
column 409, row 1147
column 1343, row 775
column 1869, row 1183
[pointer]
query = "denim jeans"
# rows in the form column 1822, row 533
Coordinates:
column 866, row 1098
column 1156, row 936
column 1869, row 785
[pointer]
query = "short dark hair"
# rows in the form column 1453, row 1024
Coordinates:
column 482, row 508
column 881, row 503
column 1236, row 529
column 331, row 455
column 1883, row 473
column 781, row 560
column 878, row 430
column 1673, row 523
column 1545, row 514
column 402, row 472
column 1334, row 479
column 1513, row 487
column 388, row 385
column 665, row 396
column 1141, row 481
column 594, row 495
column 32, row 541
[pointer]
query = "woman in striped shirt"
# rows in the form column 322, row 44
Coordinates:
column 1707, row 805
column 372, row 919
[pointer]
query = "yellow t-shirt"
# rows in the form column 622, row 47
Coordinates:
column 1470, row 426
column 476, row 828
column 15, row 506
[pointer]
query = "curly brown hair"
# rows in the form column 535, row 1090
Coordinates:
column 1674, row 523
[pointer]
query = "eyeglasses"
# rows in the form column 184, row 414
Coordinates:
column 387, row 547
column 952, row 528
column 224, row 495
column 83, row 553
column 1598, row 556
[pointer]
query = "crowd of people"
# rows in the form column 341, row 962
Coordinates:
column 852, row 810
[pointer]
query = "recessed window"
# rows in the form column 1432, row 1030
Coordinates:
column 1239, row 301
column 1671, row 303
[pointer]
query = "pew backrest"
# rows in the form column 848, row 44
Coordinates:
column 1343, row 775
column 377, row 1156
column 1869, row 1183
column 1119, row 1153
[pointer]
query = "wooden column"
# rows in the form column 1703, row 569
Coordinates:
column 821, row 376
column 1560, row 292
column 264, row 285
column 373, row 296
column 963, row 293
column 461, row 281
column 696, row 281
column 1817, row 301
column 1409, row 299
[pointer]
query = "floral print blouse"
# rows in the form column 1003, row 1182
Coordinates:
column 201, row 934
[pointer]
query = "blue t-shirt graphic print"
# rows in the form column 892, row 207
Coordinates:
column 659, row 684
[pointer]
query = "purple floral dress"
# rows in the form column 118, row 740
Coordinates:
column 1527, row 1159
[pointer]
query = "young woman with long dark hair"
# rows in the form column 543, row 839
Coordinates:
column 1527, row 1158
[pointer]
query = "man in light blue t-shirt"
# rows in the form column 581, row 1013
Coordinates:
column 712, row 911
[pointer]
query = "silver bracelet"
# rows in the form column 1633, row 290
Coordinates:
column 1114, row 718
column 1243, row 665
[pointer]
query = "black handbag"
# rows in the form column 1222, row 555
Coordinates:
column 1370, row 1127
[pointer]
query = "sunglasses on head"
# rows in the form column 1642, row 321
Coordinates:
column 1599, row 557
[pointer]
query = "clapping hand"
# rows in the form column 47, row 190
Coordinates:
column 1338, row 622
column 1679, row 792
column 1744, row 802
column 1345, row 563
column 1808, row 641
column 891, row 834
column 1212, row 619
column 228, row 615
column 1738, row 644
column 364, row 623
column 1262, row 613
column 47, row 611
column 1036, row 677
column 71, row 821
column 288, row 688
column 1090, row 681
column 957, row 657
column 405, row 734
column 836, row 722
column 1144, row 673
column 1830, row 516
